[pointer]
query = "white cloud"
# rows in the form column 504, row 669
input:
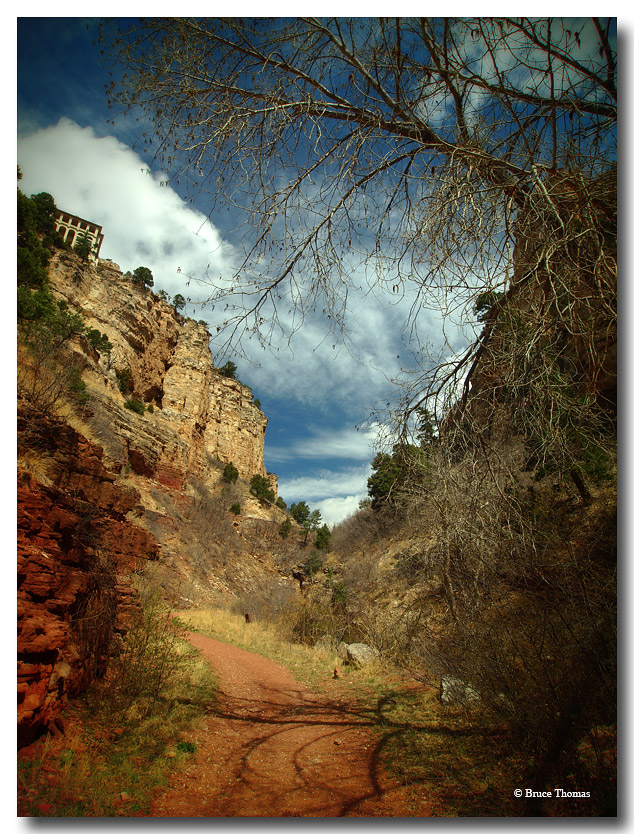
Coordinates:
column 325, row 484
column 336, row 494
column 145, row 223
column 335, row 510
column 346, row 443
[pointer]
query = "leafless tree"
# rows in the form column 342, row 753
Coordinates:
column 420, row 157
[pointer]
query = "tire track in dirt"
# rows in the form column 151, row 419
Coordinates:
column 273, row 748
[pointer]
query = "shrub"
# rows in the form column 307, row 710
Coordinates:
column 285, row 528
column 99, row 341
column 229, row 370
column 313, row 564
column 83, row 246
column 124, row 380
column 230, row 473
column 77, row 387
column 235, row 508
column 261, row 488
column 186, row 747
column 134, row 405
column 143, row 276
column 322, row 538
column 48, row 373
column 339, row 593
column 149, row 658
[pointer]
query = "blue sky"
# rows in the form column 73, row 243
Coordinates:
column 317, row 394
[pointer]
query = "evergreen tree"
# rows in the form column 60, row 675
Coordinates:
column 142, row 275
column 300, row 512
column 261, row 488
column 83, row 246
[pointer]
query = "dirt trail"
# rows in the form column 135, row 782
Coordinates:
column 273, row 748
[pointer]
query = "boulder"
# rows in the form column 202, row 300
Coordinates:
column 456, row 691
column 360, row 653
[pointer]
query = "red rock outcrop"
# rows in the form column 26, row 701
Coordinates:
column 75, row 546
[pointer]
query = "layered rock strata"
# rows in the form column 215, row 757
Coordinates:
column 199, row 416
column 76, row 548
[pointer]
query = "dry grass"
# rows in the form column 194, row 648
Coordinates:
column 308, row 664
column 37, row 464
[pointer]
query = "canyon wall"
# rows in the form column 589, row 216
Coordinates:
column 199, row 416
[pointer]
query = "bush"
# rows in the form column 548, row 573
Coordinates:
column 48, row 372
column 285, row 528
column 83, row 246
column 150, row 657
column 261, row 488
column 124, row 380
column 322, row 538
column 235, row 508
column 228, row 370
column 313, row 564
column 77, row 387
column 230, row 473
column 134, row 405
column 143, row 276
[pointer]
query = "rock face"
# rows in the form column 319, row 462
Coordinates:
column 199, row 416
column 75, row 548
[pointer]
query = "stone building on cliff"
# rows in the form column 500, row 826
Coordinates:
column 70, row 227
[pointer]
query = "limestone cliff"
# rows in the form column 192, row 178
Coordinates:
column 199, row 416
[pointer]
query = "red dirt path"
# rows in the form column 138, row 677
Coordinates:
column 273, row 748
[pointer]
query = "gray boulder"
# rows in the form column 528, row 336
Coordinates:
column 455, row 691
column 360, row 653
